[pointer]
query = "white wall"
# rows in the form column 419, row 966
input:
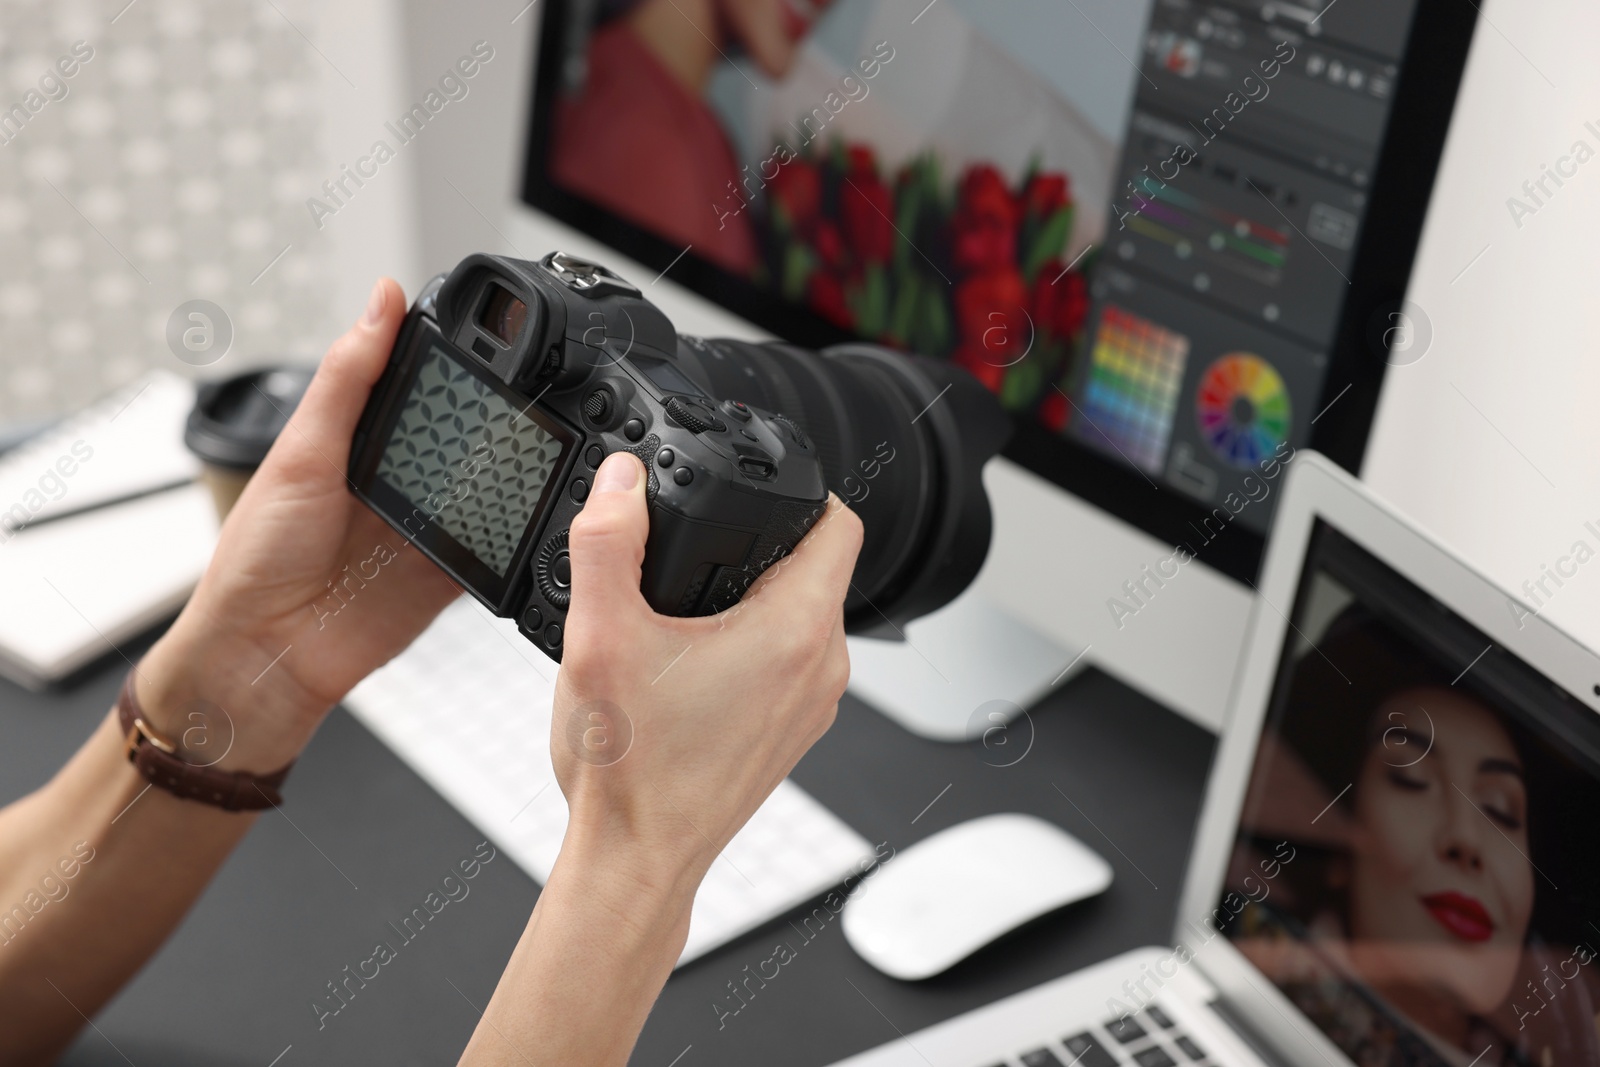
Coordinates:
column 1491, row 440
column 368, row 237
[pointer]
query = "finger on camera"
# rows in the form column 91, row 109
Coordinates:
column 606, row 541
column 820, row 566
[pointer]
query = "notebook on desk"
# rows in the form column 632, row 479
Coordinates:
column 103, row 530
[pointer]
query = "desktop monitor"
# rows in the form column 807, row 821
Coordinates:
column 1172, row 237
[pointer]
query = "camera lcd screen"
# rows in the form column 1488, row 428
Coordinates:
column 666, row 377
column 474, row 464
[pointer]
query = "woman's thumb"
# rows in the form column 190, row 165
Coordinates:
column 607, row 546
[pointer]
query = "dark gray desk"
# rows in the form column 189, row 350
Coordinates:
column 302, row 899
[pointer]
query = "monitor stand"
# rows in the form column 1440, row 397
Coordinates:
column 964, row 669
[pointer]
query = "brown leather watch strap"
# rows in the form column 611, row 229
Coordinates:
column 158, row 759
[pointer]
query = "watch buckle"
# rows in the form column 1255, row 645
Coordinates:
column 139, row 729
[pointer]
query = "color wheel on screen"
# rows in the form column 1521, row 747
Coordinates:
column 1243, row 409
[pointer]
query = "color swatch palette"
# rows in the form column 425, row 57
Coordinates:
column 1131, row 394
column 1242, row 407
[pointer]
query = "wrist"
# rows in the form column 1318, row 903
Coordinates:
column 209, row 695
column 629, row 874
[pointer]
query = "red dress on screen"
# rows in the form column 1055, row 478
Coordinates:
column 637, row 141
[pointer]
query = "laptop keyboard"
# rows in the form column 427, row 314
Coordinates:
column 1147, row 1039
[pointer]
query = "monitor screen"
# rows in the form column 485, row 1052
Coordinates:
column 1171, row 236
column 1412, row 867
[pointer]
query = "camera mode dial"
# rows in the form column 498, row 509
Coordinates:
column 693, row 415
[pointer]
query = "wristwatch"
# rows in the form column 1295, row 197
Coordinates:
column 158, row 759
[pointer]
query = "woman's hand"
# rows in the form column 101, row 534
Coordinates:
column 308, row 591
column 260, row 653
column 668, row 732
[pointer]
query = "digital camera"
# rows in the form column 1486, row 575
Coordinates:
column 511, row 381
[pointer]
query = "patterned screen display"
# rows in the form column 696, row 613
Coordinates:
column 471, row 462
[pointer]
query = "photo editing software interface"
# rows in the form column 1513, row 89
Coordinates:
column 1144, row 249
column 1239, row 198
column 1411, row 864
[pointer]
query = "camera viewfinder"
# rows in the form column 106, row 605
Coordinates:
column 503, row 314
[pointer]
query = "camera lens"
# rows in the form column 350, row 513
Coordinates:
column 902, row 439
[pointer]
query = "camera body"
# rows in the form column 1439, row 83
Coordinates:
column 511, row 381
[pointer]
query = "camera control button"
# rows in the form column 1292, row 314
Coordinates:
column 532, row 619
column 633, row 429
column 553, row 571
column 666, row 457
column 597, row 406
column 795, row 433
column 737, row 410
column 748, row 436
column 594, row 456
column 693, row 415
column 579, row 489
column 552, row 635
column 683, row 475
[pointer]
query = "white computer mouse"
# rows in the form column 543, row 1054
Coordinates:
column 936, row 903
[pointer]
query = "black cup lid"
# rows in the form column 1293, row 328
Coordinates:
column 235, row 421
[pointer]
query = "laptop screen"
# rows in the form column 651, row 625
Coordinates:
column 1415, row 865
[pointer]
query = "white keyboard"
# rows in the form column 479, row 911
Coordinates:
column 468, row 707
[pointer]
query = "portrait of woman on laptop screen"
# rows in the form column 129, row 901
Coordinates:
column 1439, row 903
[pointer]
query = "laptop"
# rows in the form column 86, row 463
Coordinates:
column 1394, row 863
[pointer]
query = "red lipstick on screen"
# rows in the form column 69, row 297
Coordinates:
column 798, row 15
column 1462, row 915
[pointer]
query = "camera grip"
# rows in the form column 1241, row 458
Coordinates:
column 700, row 568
